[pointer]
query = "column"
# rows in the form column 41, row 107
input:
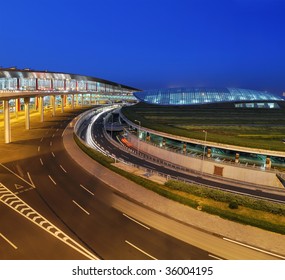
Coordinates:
column 237, row 158
column 268, row 162
column 82, row 99
column 90, row 99
column 7, row 127
column 77, row 100
column 17, row 101
column 209, row 152
column 27, row 112
column 41, row 108
column 37, row 84
column 184, row 148
column 62, row 103
column 52, row 98
column 72, row 101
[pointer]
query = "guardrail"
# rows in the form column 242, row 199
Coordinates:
column 158, row 161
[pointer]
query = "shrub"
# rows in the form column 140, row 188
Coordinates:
column 233, row 205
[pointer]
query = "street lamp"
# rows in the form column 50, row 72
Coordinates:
column 205, row 131
column 112, row 126
column 139, row 136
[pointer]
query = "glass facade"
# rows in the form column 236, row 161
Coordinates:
column 199, row 96
column 21, row 80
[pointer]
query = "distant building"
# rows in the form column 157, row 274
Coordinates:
column 212, row 97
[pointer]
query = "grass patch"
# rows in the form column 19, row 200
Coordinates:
column 254, row 128
column 259, row 213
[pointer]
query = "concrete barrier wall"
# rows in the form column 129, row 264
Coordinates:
column 235, row 172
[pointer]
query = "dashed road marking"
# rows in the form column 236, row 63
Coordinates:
column 80, row 207
column 21, row 207
column 52, row 179
column 63, row 169
column 10, row 242
column 86, row 189
column 142, row 251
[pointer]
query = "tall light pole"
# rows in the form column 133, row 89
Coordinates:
column 112, row 126
column 205, row 131
column 139, row 136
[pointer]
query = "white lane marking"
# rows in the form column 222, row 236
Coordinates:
column 16, row 175
column 53, row 154
column 39, row 148
column 67, row 240
column 52, row 179
column 57, row 129
column 86, row 189
column 63, row 168
column 11, row 243
column 50, row 143
column 142, row 251
column 41, row 161
column 254, row 248
column 132, row 219
column 80, row 207
column 215, row 257
column 52, row 136
column 42, row 139
column 30, row 178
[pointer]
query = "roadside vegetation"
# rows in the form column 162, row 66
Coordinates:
column 246, row 210
column 255, row 128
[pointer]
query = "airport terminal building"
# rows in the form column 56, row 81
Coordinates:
column 222, row 160
column 211, row 97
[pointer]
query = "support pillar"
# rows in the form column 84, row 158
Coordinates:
column 27, row 112
column 41, row 108
column 17, row 101
column 7, row 127
column 52, row 99
column 62, row 103
column 237, row 158
column 268, row 162
column 90, row 100
column 184, row 148
column 209, row 152
column 72, row 101
column 77, row 100
column 82, row 99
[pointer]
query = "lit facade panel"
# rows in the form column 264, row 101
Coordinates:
column 199, row 96
column 26, row 79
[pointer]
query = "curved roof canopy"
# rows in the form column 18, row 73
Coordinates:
column 13, row 72
column 199, row 96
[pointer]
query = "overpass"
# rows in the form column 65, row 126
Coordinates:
column 19, row 89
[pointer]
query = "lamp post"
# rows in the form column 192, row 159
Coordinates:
column 112, row 126
column 139, row 135
column 205, row 131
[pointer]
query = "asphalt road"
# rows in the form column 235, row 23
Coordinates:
column 51, row 208
column 78, row 205
column 97, row 134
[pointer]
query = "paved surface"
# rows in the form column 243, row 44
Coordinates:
column 246, row 234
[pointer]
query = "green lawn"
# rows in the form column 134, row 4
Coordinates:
column 257, row 128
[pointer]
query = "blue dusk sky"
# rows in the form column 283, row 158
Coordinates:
column 150, row 43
